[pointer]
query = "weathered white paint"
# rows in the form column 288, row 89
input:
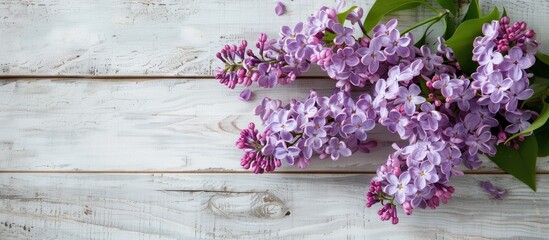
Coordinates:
column 164, row 37
column 246, row 206
column 163, row 125
column 190, row 125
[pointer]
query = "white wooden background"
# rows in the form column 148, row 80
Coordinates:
column 112, row 127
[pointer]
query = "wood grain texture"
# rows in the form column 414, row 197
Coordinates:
column 160, row 125
column 164, row 37
column 245, row 206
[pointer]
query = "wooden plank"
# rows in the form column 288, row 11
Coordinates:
column 166, row 125
column 247, row 206
column 164, row 37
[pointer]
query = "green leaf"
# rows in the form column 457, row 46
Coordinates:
column 342, row 16
column 541, row 66
column 450, row 27
column 539, row 122
column 423, row 85
column 462, row 40
column 384, row 7
column 520, row 163
column 543, row 141
column 448, row 4
column 422, row 40
column 473, row 12
column 539, row 85
column 504, row 14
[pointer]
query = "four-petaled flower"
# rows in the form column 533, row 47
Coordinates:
column 400, row 186
column 359, row 125
column 284, row 125
column 410, row 98
column 337, row 148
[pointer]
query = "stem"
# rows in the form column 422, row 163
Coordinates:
column 363, row 29
column 435, row 19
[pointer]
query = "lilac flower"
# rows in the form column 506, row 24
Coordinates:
column 479, row 141
column 286, row 153
column 399, row 187
column 300, row 47
column 280, row 9
column 356, row 15
column 518, row 91
column 396, row 74
column 395, row 44
column 444, row 50
column 497, row 87
column 446, row 85
column 366, row 104
column 287, row 35
column 266, row 108
column 385, row 90
column 283, row 125
column 335, row 127
column 344, row 35
column 318, row 23
column 425, row 173
column 519, row 121
column 267, row 75
column 490, row 31
column 316, row 132
column 337, row 148
column 410, row 98
column 248, row 141
column 385, row 29
column 345, row 57
column 429, row 117
column 307, row 108
column 430, row 61
column 396, row 123
column 490, row 58
column 456, row 134
column 245, row 95
column 479, row 115
column 373, row 55
column 494, row 192
column 515, row 61
column 359, row 125
column 427, row 149
column 418, row 201
column 464, row 97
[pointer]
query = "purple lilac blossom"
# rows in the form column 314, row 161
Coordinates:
column 454, row 122
column 280, row 9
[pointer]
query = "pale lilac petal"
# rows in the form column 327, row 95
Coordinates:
column 280, row 9
column 245, row 95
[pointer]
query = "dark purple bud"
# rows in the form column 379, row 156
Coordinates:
column 504, row 20
column 262, row 37
column 522, row 26
column 530, row 33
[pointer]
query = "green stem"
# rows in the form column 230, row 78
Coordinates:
column 435, row 19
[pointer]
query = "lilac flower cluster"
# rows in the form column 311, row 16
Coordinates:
column 269, row 67
column 504, row 53
column 332, row 127
column 447, row 118
column 456, row 121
